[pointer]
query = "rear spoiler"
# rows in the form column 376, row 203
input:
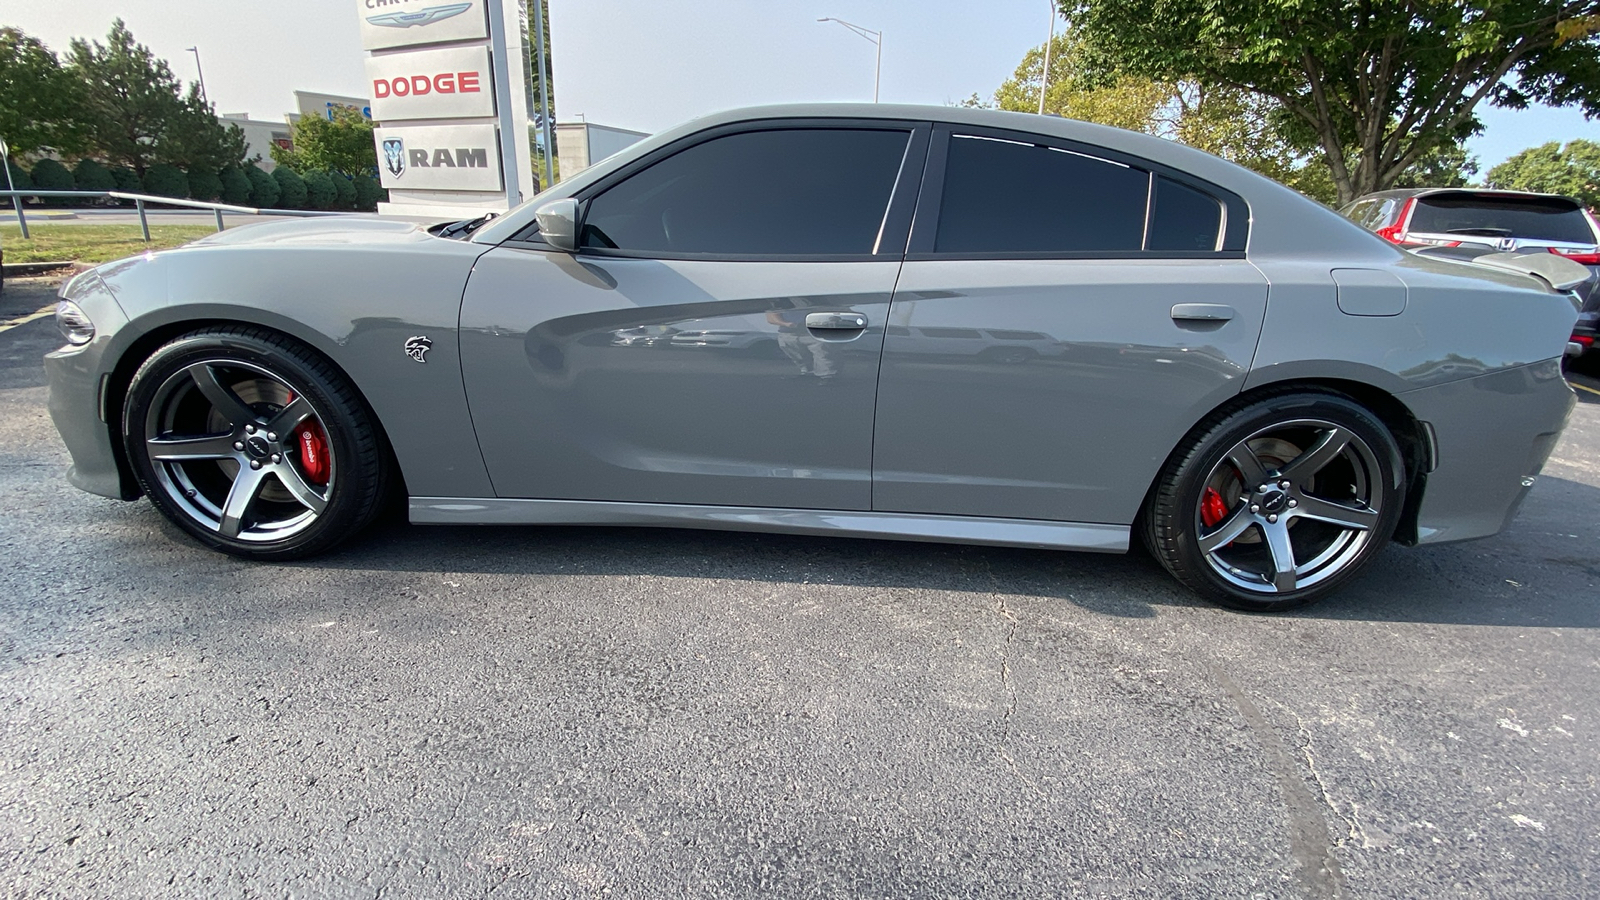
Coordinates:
column 1560, row 273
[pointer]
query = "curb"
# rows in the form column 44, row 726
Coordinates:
column 24, row 270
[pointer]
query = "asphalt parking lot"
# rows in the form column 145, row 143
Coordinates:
column 562, row 712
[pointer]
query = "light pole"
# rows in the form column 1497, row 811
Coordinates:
column 203, row 97
column 875, row 37
column 1044, row 74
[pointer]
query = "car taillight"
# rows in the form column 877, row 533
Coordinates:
column 1587, row 257
column 1394, row 232
column 1587, row 340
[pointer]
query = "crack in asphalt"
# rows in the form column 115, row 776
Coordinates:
column 1309, row 842
column 1354, row 831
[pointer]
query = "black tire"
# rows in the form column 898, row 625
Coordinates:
column 211, row 459
column 1345, row 487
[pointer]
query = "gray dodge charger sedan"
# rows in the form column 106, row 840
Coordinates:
column 887, row 321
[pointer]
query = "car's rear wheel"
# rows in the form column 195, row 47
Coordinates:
column 253, row 443
column 1277, row 503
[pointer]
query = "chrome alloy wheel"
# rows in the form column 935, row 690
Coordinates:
column 1289, row 506
column 236, row 448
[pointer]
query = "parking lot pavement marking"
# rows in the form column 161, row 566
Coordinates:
column 1584, row 387
column 50, row 310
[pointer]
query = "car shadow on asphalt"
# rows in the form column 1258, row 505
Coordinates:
column 1540, row 573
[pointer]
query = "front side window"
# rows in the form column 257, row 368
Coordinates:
column 783, row 192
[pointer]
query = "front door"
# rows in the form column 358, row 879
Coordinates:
column 716, row 339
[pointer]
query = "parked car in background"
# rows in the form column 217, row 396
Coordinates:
column 1495, row 220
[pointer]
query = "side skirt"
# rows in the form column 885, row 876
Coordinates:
column 839, row 523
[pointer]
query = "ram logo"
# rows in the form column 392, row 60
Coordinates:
column 394, row 156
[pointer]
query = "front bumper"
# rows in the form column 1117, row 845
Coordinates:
column 77, row 377
column 1493, row 434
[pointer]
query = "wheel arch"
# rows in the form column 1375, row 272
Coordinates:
column 156, row 330
column 1415, row 440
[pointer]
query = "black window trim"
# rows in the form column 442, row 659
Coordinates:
column 893, row 230
column 1234, row 230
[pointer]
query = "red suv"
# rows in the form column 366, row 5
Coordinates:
column 1492, row 220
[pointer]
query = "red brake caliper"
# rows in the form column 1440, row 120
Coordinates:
column 1212, row 509
column 313, row 450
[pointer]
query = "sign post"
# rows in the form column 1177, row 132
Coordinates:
column 448, row 96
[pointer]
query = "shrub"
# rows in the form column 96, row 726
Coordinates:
column 204, row 185
column 235, row 186
column 368, row 193
column 345, row 191
column 291, row 188
column 163, row 180
column 263, row 187
column 19, row 179
column 49, row 175
column 320, row 192
column 89, row 175
column 127, row 180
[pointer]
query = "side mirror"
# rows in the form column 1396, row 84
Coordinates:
column 558, row 224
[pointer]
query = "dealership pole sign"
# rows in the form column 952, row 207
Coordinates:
column 447, row 87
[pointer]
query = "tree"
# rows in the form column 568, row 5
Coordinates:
column 165, row 180
column 49, row 175
column 1573, row 170
column 130, row 98
column 1375, row 86
column 368, row 193
column 320, row 192
column 345, row 191
column 198, row 139
column 1443, row 167
column 38, row 104
column 204, row 185
column 341, row 144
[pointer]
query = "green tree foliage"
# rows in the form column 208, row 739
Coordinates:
column 341, row 144
column 235, row 186
column 137, row 114
column 165, row 180
column 1448, row 166
column 368, row 193
column 264, row 190
column 1376, row 85
column 49, row 175
column 38, row 100
column 19, row 180
column 345, row 191
column 204, row 185
column 1573, row 170
column 89, row 175
column 320, row 192
column 291, row 188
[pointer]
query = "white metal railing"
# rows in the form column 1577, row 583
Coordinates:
column 139, row 201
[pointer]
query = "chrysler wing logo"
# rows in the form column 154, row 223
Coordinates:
column 394, row 156
column 423, row 17
column 417, row 347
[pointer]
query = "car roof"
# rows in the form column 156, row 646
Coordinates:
column 1282, row 220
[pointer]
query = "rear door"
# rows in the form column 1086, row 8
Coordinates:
column 1064, row 316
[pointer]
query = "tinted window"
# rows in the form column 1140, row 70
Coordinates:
column 1007, row 196
column 770, row 193
column 1183, row 218
column 1539, row 218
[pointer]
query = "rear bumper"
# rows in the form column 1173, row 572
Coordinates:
column 1493, row 434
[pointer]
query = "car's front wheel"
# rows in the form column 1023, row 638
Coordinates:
column 253, row 443
column 1277, row 503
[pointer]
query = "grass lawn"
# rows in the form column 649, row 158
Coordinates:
column 91, row 243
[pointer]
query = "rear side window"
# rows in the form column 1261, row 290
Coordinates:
column 787, row 192
column 1005, row 196
column 1536, row 218
column 1183, row 218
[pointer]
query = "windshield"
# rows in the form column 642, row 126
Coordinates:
column 1529, row 218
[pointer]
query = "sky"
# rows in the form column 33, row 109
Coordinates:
column 645, row 64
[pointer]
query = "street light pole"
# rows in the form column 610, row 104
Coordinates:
column 1044, row 74
column 196, row 52
column 876, row 37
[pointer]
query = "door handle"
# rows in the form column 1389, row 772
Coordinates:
column 836, row 321
column 1202, row 312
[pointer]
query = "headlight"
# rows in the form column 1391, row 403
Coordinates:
column 74, row 323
